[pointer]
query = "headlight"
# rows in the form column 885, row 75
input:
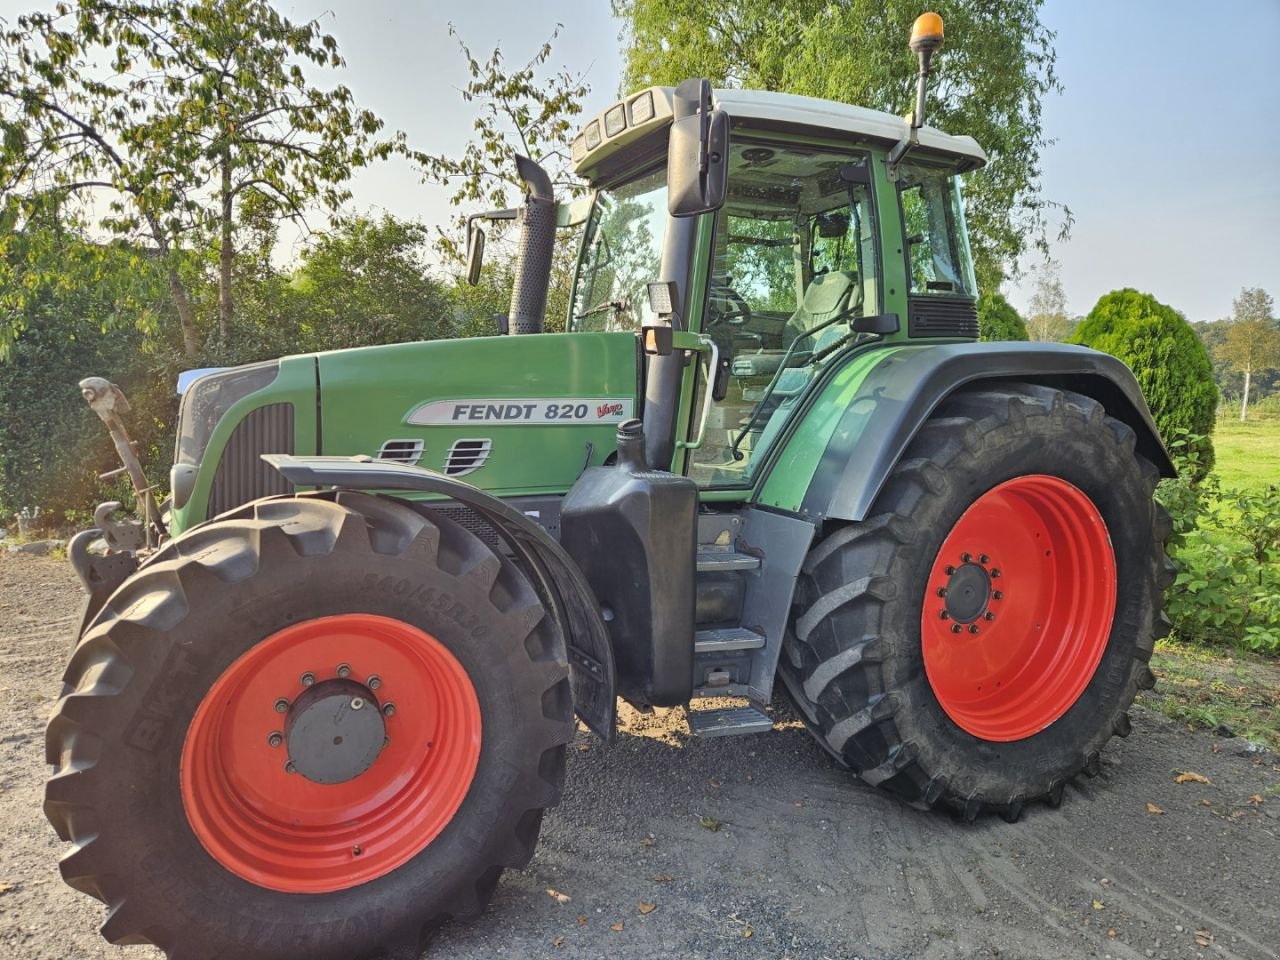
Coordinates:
column 203, row 405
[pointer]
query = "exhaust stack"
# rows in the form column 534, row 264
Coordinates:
column 537, row 243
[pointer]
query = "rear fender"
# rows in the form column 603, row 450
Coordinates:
column 902, row 391
column 560, row 584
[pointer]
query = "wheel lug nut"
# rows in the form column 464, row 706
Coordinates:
column 950, row 571
column 275, row 739
column 966, row 557
column 942, row 591
column 995, row 572
column 956, row 628
column 943, row 615
column 289, row 767
column 988, row 615
column 374, row 682
column 983, row 558
column 997, row 595
column 282, row 705
column 389, row 710
column 973, row 628
column 307, row 679
column 344, row 670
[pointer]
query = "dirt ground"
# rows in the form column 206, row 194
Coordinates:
column 759, row 847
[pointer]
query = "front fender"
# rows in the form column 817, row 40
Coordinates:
column 895, row 393
column 555, row 576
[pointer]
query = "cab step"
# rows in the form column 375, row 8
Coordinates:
column 713, row 560
column 726, row 639
column 728, row 721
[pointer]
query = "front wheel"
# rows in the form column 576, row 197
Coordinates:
column 979, row 637
column 317, row 726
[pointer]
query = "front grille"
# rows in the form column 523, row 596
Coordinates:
column 942, row 317
column 241, row 475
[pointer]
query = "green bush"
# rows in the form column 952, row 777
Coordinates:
column 1226, row 545
column 997, row 320
column 1169, row 360
column 1228, row 585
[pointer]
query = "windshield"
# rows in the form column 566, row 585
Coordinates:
column 933, row 219
column 621, row 254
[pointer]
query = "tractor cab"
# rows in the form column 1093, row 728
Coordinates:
column 820, row 245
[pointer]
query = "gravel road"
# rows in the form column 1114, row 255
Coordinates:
column 759, row 848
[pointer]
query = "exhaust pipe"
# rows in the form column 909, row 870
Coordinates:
column 537, row 243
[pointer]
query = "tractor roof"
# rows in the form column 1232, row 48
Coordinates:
column 631, row 121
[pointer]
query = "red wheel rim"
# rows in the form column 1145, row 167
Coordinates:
column 1018, row 607
column 277, row 828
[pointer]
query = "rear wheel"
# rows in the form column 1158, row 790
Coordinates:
column 979, row 637
column 318, row 726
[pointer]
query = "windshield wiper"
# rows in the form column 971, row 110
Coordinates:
column 783, row 366
column 617, row 306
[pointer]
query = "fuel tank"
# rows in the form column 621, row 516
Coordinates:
column 633, row 532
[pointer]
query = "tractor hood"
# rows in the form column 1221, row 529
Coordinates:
column 514, row 416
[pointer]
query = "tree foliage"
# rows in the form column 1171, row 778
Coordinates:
column 998, row 320
column 1170, row 362
column 157, row 120
column 51, row 446
column 528, row 110
column 1047, row 312
column 367, row 282
column 990, row 82
column 1251, row 342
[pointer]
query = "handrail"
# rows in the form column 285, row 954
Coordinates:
column 713, row 367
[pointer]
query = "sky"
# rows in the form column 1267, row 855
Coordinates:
column 1165, row 148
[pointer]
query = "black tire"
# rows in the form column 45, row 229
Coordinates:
column 170, row 631
column 853, row 660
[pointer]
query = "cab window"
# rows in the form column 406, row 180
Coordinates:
column 621, row 253
column 933, row 222
column 795, row 261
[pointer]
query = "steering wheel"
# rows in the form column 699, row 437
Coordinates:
column 739, row 311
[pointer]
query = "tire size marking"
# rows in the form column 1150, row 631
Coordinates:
column 429, row 598
column 533, row 410
column 150, row 726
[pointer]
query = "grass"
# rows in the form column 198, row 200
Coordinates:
column 1210, row 689
column 1213, row 687
column 1247, row 454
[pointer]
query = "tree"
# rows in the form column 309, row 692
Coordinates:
column 158, row 119
column 51, row 447
column 1168, row 359
column 1047, row 311
column 998, row 320
column 1252, row 341
column 530, row 111
column 990, row 83
column 366, row 282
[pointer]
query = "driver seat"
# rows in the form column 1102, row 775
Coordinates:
column 827, row 296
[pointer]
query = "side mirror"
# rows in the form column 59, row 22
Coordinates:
column 698, row 152
column 475, row 252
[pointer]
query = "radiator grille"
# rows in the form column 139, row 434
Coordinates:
column 241, row 475
column 942, row 317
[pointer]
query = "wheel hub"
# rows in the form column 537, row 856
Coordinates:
column 968, row 593
column 334, row 731
column 1018, row 607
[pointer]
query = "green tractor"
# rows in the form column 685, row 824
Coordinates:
column 330, row 705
